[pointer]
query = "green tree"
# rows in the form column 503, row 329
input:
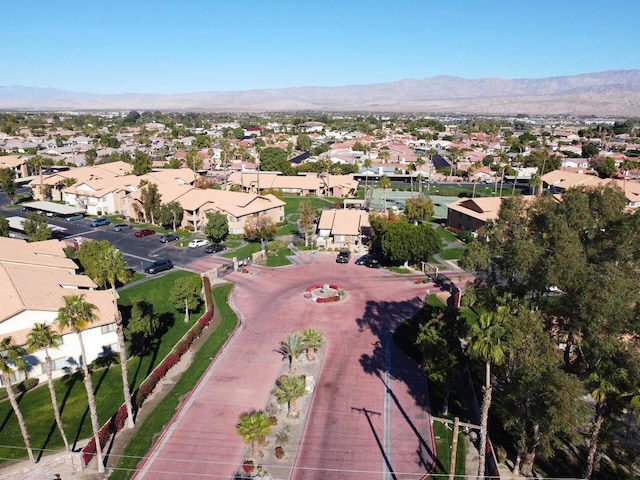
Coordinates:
column 8, row 182
column 107, row 267
column 589, row 150
column 217, row 227
column 439, row 343
column 313, row 339
column 186, row 294
column 486, row 342
column 288, row 390
column 605, row 167
column 385, row 183
column 43, row 337
column 306, row 219
column 151, row 201
column 291, row 348
column 410, row 244
column 11, row 359
column 76, row 315
column 36, row 227
column 303, row 142
column 275, row 159
column 418, row 208
column 170, row 215
column 37, row 164
column 260, row 228
column 253, row 427
column 194, row 162
column 141, row 163
column 90, row 156
column 143, row 327
column 4, row 226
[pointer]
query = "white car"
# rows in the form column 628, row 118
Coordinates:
column 198, row 242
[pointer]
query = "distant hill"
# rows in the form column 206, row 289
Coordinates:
column 611, row 93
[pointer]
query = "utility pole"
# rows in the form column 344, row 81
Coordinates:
column 454, row 448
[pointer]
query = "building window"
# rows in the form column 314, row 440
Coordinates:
column 108, row 328
column 62, row 363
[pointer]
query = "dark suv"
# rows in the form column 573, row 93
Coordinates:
column 343, row 256
column 159, row 265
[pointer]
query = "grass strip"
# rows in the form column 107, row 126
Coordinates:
column 148, row 431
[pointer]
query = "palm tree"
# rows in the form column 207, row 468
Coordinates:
column 536, row 183
column 291, row 348
column 253, row 427
column 385, row 182
column 77, row 314
column 43, row 337
column 288, row 390
column 111, row 269
column 313, row 339
column 602, row 390
column 11, row 360
column 486, row 343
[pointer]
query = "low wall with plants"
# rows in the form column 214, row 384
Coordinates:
column 146, row 388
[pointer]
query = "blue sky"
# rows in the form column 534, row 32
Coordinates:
column 159, row 46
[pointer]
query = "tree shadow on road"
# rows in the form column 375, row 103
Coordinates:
column 387, row 362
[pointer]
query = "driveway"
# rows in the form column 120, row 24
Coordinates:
column 369, row 414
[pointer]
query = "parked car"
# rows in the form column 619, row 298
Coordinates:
column 215, row 248
column 145, row 232
column 100, row 221
column 121, row 226
column 159, row 265
column 74, row 218
column 363, row 259
column 372, row 263
column 168, row 237
column 198, row 242
column 343, row 256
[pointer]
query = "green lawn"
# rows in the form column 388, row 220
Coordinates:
column 147, row 432
column 293, row 203
column 107, row 382
column 280, row 259
column 444, row 440
column 446, row 235
column 244, row 252
column 452, row 253
column 287, row 229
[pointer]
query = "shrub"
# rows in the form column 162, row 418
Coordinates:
column 19, row 388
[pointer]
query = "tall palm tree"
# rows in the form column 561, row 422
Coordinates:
column 288, row 390
column 486, row 343
column 291, row 348
column 313, row 339
column 110, row 269
column 43, row 337
column 10, row 361
column 385, row 183
column 253, row 427
column 77, row 314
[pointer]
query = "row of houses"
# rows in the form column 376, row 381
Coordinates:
column 34, row 278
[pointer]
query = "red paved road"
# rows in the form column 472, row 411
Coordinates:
column 357, row 428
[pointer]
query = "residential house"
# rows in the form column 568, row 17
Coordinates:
column 34, row 278
column 15, row 163
column 343, row 228
column 472, row 214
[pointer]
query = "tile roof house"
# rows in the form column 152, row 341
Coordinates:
column 472, row 214
column 343, row 228
column 34, row 278
column 309, row 184
column 16, row 163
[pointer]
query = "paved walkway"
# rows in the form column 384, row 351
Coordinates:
column 368, row 416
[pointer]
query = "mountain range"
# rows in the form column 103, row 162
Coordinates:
column 614, row 93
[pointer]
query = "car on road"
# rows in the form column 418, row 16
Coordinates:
column 363, row 259
column 198, row 242
column 100, row 221
column 343, row 256
column 121, row 226
column 74, row 218
column 168, row 237
column 159, row 265
column 372, row 263
column 144, row 232
column 215, row 248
